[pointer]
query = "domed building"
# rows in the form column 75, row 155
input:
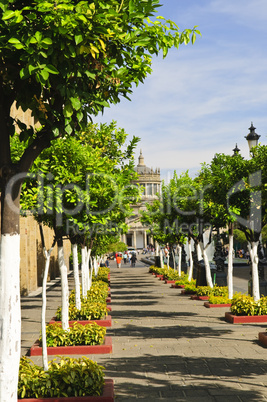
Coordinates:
column 149, row 179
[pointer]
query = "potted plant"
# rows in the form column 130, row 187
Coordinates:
column 71, row 378
column 244, row 309
column 78, row 339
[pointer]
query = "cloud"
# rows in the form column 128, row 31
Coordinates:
column 201, row 99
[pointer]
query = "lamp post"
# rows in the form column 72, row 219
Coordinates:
column 252, row 137
column 236, row 150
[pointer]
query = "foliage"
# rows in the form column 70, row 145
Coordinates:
column 215, row 291
column 89, row 334
column 184, row 281
column 239, row 236
column 71, row 59
column 219, row 299
column 170, row 274
column 190, row 288
column 245, row 305
column 102, row 275
column 98, row 292
column 68, row 377
column 90, row 310
column 119, row 246
column 82, row 191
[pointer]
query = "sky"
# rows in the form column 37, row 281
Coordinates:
column 201, row 99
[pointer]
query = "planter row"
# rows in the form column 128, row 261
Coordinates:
column 229, row 317
column 105, row 348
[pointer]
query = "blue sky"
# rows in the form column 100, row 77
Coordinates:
column 201, row 99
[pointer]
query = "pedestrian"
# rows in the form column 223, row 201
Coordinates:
column 124, row 258
column 118, row 260
column 107, row 263
column 133, row 259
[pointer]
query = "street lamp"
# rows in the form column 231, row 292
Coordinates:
column 236, row 150
column 252, row 137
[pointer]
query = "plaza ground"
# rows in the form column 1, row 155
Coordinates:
column 165, row 345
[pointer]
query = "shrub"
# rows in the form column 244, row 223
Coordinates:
column 215, row 291
column 69, row 377
column 89, row 311
column 90, row 334
column 97, row 292
column 245, row 305
column 102, row 275
column 190, row 288
column 184, row 281
column 219, row 299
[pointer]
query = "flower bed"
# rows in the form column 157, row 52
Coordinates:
column 106, row 347
column 104, row 322
column 79, row 339
column 67, row 379
column 210, row 305
column 244, row 319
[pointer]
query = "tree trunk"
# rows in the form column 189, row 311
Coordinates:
column 161, row 259
column 64, row 287
column 230, row 265
column 191, row 262
column 207, row 265
column 10, row 314
column 179, row 260
column 76, row 276
column 253, row 249
column 84, row 269
column 47, row 255
column 173, row 258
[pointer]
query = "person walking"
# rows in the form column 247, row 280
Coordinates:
column 134, row 259
column 118, row 260
column 125, row 258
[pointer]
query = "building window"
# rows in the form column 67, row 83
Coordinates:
column 155, row 188
column 149, row 189
column 129, row 240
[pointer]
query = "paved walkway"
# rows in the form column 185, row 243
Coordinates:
column 167, row 346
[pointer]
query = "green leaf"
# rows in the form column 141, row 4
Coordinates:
column 51, row 69
column 75, row 103
column 8, row 14
column 16, row 43
column 78, row 39
column 47, row 41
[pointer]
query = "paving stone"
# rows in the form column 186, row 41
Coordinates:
column 167, row 347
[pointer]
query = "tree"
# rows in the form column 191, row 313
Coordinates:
column 63, row 60
column 76, row 191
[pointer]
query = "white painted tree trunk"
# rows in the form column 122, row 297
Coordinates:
column 199, row 252
column 90, row 272
column 76, row 276
column 157, row 250
column 47, row 255
column 161, row 259
column 179, row 260
column 10, row 316
column 253, row 249
column 84, row 269
column 191, row 262
column 64, row 289
column 207, row 264
column 168, row 261
column 230, row 267
column 96, row 266
column 174, row 262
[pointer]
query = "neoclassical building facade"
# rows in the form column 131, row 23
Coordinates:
column 150, row 181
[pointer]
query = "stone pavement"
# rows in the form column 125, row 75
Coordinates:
column 167, row 346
